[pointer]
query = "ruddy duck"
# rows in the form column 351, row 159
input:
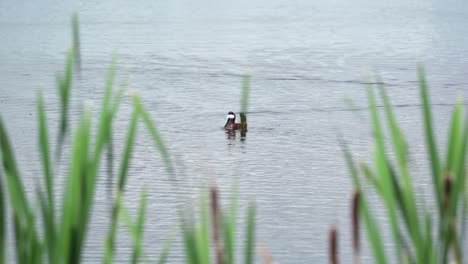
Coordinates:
column 231, row 121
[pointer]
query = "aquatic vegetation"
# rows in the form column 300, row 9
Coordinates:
column 223, row 231
column 57, row 235
column 63, row 232
column 419, row 236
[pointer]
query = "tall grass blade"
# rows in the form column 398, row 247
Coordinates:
column 47, row 204
column 245, row 93
column 121, row 184
column 202, row 234
column 44, row 151
column 64, row 84
column 3, row 216
column 76, row 195
column 165, row 251
column 155, row 135
column 229, row 227
column 76, row 41
column 139, row 227
column 383, row 171
column 373, row 233
column 430, row 140
column 454, row 137
column 250, row 235
column 370, row 224
column 127, row 154
column 190, row 241
column 26, row 240
column 14, row 184
column 405, row 194
column 49, row 224
column 349, row 162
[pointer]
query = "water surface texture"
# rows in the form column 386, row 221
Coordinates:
column 186, row 58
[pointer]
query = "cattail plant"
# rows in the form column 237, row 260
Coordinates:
column 418, row 235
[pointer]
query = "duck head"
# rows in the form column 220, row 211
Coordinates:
column 230, row 120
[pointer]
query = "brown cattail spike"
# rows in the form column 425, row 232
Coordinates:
column 448, row 184
column 215, row 220
column 355, row 223
column 333, row 246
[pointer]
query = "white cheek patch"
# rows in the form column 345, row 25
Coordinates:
column 229, row 116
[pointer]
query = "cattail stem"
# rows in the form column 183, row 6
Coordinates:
column 215, row 221
column 355, row 224
column 333, row 246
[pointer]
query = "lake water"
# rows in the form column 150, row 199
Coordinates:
column 186, row 59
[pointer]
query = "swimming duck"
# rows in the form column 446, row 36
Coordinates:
column 231, row 121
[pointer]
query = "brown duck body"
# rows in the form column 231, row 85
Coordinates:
column 236, row 126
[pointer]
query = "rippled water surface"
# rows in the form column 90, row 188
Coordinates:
column 186, row 59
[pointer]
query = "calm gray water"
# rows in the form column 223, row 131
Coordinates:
column 186, row 59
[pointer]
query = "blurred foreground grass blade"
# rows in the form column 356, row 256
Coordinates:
column 430, row 140
column 27, row 245
column 135, row 229
column 405, row 194
column 102, row 138
column 459, row 166
column 383, row 171
column 110, row 245
column 130, row 142
column 76, row 41
column 454, row 137
column 349, row 162
column 165, row 251
column 47, row 204
column 370, row 177
column 109, row 110
column 373, row 232
column 245, row 93
column 459, row 190
column 3, row 216
column 105, row 119
column 202, row 236
column 190, row 241
column 76, row 195
column 15, row 187
column 45, row 156
column 49, row 224
column 64, row 86
column 353, row 107
column 155, row 135
column 250, row 235
column 370, row 224
column 139, row 227
column 229, row 227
